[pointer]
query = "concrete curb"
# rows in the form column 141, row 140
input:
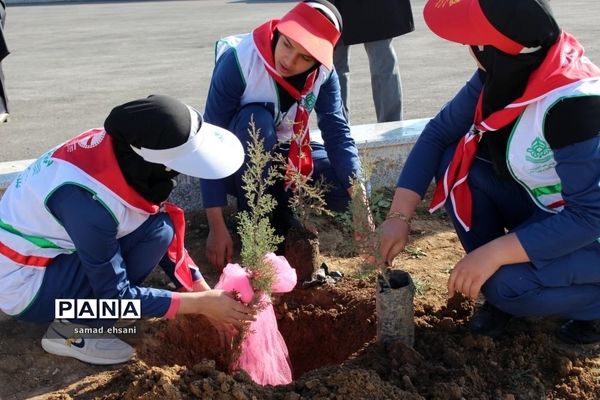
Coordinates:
column 386, row 144
column 9, row 170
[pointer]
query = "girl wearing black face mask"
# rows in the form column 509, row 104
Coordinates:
column 517, row 158
column 88, row 221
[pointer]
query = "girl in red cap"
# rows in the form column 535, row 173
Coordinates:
column 516, row 155
column 276, row 75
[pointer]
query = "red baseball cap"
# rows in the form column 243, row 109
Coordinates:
column 463, row 21
column 312, row 30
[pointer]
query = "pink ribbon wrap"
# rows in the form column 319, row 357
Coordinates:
column 264, row 354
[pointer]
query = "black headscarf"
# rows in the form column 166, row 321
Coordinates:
column 331, row 8
column 156, row 122
column 531, row 24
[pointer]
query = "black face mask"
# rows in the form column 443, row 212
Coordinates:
column 531, row 24
column 156, row 122
column 505, row 76
column 505, row 79
column 153, row 181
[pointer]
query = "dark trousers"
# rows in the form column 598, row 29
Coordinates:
column 65, row 277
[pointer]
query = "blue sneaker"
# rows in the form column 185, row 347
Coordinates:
column 61, row 340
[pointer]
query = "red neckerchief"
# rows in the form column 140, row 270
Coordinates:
column 564, row 64
column 176, row 251
column 93, row 153
column 300, row 153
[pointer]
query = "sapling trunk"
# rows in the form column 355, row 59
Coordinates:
column 302, row 252
column 301, row 242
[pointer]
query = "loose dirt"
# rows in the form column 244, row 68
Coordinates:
column 330, row 332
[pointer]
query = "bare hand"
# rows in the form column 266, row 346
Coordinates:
column 470, row 273
column 221, row 307
column 197, row 286
column 219, row 247
column 394, row 231
column 394, row 236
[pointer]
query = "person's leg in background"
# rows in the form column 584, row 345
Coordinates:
column 341, row 59
column 3, row 53
column 3, row 98
column 385, row 80
column 337, row 198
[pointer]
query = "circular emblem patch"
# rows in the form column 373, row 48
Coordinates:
column 92, row 140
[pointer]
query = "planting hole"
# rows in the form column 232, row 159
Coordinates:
column 321, row 326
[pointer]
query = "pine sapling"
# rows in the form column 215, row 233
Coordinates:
column 366, row 235
column 306, row 201
column 308, row 197
column 256, row 234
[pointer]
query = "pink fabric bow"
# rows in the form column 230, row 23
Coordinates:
column 264, row 354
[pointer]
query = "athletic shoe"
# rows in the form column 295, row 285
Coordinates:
column 579, row 332
column 489, row 321
column 61, row 340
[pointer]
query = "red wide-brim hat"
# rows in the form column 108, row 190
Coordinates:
column 463, row 21
column 312, row 30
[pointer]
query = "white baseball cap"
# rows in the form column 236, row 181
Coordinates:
column 210, row 152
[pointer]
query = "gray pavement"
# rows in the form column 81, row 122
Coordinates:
column 72, row 62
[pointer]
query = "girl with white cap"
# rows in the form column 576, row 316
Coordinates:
column 517, row 158
column 276, row 75
column 88, row 220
